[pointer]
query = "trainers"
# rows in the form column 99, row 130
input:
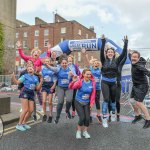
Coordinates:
column 113, row 116
column 49, row 119
column 78, row 134
column 136, row 119
column 104, row 122
column 20, row 127
column 56, row 120
column 147, row 124
column 44, row 118
column 68, row 115
column 118, row 118
column 27, row 127
column 99, row 118
column 91, row 120
column 34, row 117
column 86, row 135
column 73, row 114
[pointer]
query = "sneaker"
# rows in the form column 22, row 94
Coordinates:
column 56, row 120
column 68, row 115
column 86, row 135
column 99, row 118
column 78, row 134
column 34, row 117
column 49, row 119
column 73, row 114
column 91, row 120
column 44, row 118
column 105, row 122
column 136, row 119
column 147, row 124
column 118, row 118
column 27, row 127
column 113, row 116
column 20, row 127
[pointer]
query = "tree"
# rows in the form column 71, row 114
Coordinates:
column 1, row 47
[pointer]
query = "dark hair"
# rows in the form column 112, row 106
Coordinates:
column 30, row 61
column 136, row 52
column 63, row 57
column 85, row 70
column 111, row 48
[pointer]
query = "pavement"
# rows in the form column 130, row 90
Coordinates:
column 44, row 136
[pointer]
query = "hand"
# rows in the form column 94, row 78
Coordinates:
column 70, row 74
column 71, row 49
column 18, row 44
column 103, row 38
column 91, row 106
column 52, row 88
column 41, row 79
column 75, row 78
column 49, row 46
column 83, row 51
column 125, row 40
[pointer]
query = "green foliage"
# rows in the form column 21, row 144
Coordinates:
column 1, row 47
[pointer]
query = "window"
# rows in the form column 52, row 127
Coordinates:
column 25, row 34
column 46, row 43
column 36, row 43
column 46, row 32
column 79, row 56
column 63, row 30
column 79, row 32
column 36, row 32
column 24, row 44
column 17, row 35
column 87, row 36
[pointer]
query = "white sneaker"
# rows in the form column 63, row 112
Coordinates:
column 105, row 122
column 86, row 135
column 113, row 117
column 78, row 134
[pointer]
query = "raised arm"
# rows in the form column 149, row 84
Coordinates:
column 102, row 56
column 54, row 69
column 124, row 52
column 76, row 83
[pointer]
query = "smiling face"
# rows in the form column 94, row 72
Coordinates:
column 135, row 58
column 47, row 61
column 110, row 53
column 53, row 55
column 70, row 60
column 64, row 64
column 87, row 74
column 96, row 64
column 30, row 70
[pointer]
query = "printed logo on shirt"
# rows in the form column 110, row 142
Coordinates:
column 32, row 86
column 85, row 96
column 47, row 78
column 64, row 81
column 97, row 80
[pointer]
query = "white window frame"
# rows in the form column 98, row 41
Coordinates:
column 79, row 32
column 46, row 32
column 17, row 34
column 36, row 43
column 25, row 34
column 24, row 44
column 63, row 30
column 46, row 42
column 36, row 32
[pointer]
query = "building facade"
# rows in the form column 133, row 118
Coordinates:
column 8, row 20
column 41, row 33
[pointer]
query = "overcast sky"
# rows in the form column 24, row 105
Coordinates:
column 114, row 18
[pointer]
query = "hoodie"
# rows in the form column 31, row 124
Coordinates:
column 78, row 85
column 139, row 72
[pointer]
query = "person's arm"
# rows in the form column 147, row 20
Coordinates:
column 92, row 96
column 19, row 81
column 54, row 69
column 76, row 83
column 39, row 85
column 102, row 56
column 144, row 70
column 124, row 52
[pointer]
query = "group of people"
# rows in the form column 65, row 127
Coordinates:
column 47, row 76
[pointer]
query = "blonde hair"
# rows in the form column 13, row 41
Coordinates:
column 36, row 49
column 71, row 56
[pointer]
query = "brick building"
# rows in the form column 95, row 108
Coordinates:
column 41, row 33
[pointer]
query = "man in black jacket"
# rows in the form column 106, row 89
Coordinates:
column 140, row 87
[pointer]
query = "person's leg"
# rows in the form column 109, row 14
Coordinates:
column 60, row 95
column 73, row 105
column 34, row 112
column 39, row 96
column 118, row 95
column 50, row 101
column 69, row 95
column 80, row 112
column 44, row 98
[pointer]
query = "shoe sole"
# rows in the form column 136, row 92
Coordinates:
column 86, row 138
column 21, row 130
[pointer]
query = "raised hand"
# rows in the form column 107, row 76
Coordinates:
column 49, row 46
column 18, row 44
column 103, row 37
column 75, row 78
column 83, row 50
column 125, row 40
column 70, row 73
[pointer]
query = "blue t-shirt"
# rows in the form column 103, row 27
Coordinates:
column 97, row 75
column 63, row 77
column 83, row 94
column 48, row 76
column 29, row 81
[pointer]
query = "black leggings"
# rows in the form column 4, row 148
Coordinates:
column 73, row 100
column 118, row 95
column 83, row 112
column 109, row 91
column 97, row 99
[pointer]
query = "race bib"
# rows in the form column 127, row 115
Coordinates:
column 97, row 80
column 32, row 86
column 85, row 96
column 47, row 78
column 64, row 81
